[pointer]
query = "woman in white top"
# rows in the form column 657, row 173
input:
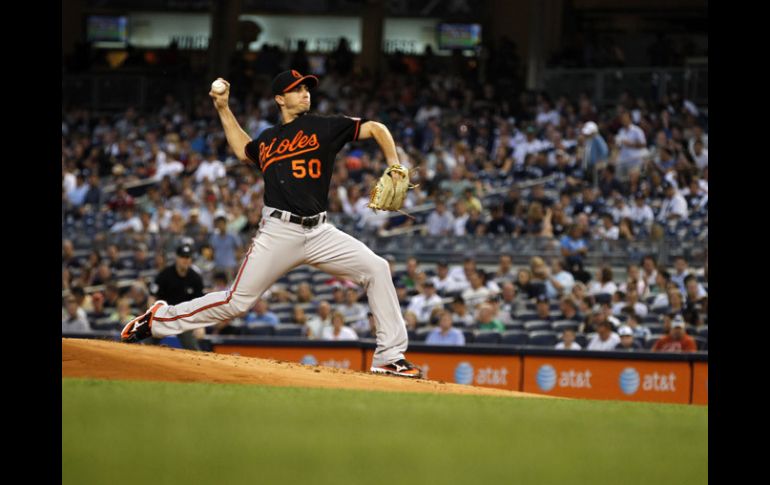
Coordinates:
column 338, row 330
column 603, row 282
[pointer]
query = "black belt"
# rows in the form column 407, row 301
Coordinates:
column 302, row 221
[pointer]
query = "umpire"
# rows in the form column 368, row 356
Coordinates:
column 178, row 283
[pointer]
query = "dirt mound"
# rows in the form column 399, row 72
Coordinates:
column 112, row 360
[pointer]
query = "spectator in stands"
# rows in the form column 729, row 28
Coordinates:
column 605, row 338
column 677, row 340
column 411, row 320
column 485, row 318
column 633, row 146
column 440, row 221
column 681, row 271
column 641, row 332
column 630, row 302
column 304, row 293
column 607, row 231
column 573, row 246
column 111, row 296
column 595, row 151
column 568, row 341
column 74, row 319
column 442, row 281
column 423, row 303
column 477, row 293
column 261, row 315
column 543, row 309
column 299, row 317
column 511, row 303
column 122, row 313
column 103, row 274
column 609, row 184
column 226, row 247
column 139, row 295
column 315, row 325
column 659, row 288
column 674, row 206
column 461, row 274
column 460, row 314
column 675, row 301
column 445, row 334
column 353, row 311
column 696, row 300
column 603, row 285
column 569, row 309
column 505, row 271
column 558, row 280
column 338, row 330
column 461, row 217
column 499, row 222
column 627, row 340
column 98, row 313
column 140, row 261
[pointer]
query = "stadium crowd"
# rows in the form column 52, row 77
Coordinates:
column 634, row 171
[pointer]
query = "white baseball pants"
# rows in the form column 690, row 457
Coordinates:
column 278, row 247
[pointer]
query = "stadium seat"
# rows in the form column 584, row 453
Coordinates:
column 651, row 340
column 422, row 333
column 533, row 325
column 288, row 330
column 702, row 343
column 581, row 339
column 469, row 336
column 285, row 316
column 561, row 325
column 412, row 335
column 650, row 318
column 527, row 316
column 258, row 330
column 655, row 328
column 486, row 337
column 514, row 337
column 703, row 332
column 514, row 325
column 543, row 338
column 602, row 298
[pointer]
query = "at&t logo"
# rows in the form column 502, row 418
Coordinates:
column 630, row 381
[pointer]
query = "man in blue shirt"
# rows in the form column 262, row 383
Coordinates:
column 573, row 246
column 225, row 246
column 261, row 315
column 445, row 334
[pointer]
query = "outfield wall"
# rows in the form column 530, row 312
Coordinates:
column 653, row 377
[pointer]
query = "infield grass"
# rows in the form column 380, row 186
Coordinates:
column 122, row 432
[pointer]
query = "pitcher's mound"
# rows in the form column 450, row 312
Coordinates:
column 112, row 360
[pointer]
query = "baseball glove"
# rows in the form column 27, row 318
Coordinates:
column 389, row 194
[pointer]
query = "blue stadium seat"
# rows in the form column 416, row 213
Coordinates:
column 412, row 335
column 543, row 338
column 527, row 316
column 651, row 340
column 702, row 343
column 514, row 337
column 561, row 325
column 515, row 325
column 469, row 336
column 655, row 328
column 288, row 330
column 258, row 330
column 581, row 339
column 422, row 333
column 486, row 337
column 651, row 318
column 533, row 325
column 703, row 332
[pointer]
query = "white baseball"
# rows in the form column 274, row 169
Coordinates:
column 218, row 87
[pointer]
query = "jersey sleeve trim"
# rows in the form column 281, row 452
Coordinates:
column 358, row 125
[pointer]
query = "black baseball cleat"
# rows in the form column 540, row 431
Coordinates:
column 402, row 368
column 140, row 327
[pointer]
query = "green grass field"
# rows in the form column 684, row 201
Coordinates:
column 116, row 432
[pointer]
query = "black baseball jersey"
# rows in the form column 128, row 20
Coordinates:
column 297, row 160
column 175, row 289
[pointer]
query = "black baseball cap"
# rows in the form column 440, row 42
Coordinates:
column 287, row 80
column 185, row 251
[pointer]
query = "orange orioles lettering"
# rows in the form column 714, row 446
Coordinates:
column 301, row 143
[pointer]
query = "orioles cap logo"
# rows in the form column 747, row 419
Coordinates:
column 296, row 74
